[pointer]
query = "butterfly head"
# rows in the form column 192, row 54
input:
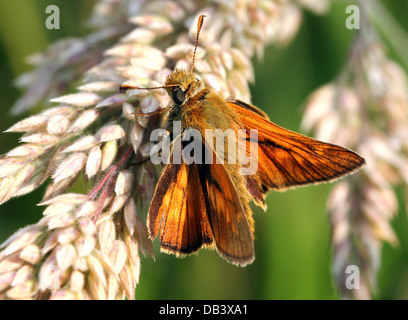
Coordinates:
column 182, row 86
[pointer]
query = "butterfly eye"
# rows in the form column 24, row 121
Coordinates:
column 178, row 96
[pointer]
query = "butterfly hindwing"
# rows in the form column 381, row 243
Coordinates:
column 177, row 213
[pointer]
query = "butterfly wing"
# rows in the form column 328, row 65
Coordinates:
column 196, row 205
column 231, row 231
column 178, row 212
column 288, row 159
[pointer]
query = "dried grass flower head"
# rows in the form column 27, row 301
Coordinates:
column 365, row 108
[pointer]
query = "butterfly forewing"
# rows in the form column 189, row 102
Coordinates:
column 288, row 159
column 230, row 227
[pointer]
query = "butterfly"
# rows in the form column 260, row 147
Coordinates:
column 205, row 204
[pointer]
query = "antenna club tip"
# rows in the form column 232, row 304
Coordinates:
column 201, row 20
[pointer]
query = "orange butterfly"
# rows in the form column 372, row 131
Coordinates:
column 206, row 204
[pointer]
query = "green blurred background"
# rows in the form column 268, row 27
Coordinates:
column 292, row 245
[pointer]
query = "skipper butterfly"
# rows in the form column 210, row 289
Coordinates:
column 206, row 203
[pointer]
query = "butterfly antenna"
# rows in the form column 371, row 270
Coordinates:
column 126, row 87
column 199, row 25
